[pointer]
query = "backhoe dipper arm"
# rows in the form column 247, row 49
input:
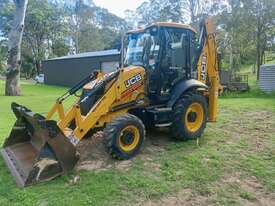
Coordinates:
column 208, row 66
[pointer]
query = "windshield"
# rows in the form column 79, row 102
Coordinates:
column 143, row 49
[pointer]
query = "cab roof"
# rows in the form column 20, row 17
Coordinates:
column 165, row 24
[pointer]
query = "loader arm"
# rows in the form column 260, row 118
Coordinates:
column 208, row 66
column 101, row 112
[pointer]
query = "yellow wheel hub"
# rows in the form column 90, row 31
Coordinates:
column 194, row 117
column 129, row 138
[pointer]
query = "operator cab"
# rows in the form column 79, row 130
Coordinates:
column 167, row 51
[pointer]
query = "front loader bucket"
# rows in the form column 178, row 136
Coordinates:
column 37, row 150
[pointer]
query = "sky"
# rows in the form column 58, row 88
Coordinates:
column 118, row 6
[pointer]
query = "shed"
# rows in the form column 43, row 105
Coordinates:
column 267, row 78
column 69, row 70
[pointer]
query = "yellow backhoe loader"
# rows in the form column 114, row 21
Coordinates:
column 169, row 78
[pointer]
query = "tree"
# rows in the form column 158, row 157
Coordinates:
column 90, row 39
column 194, row 10
column 261, row 15
column 177, row 10
column 231, row 34
column 171, row 10
column 44, row 29
column 59, row 48
column 55, row 28
column 93, row 28
column 3, row 52
column 6, row 17
column 160, row 10
column 131, row 18
column 14, row 49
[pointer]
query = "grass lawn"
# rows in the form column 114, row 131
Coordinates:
column 233, row 164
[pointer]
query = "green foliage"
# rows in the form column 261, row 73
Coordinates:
column 6, row 16
column 59, row 48
column 3, row 52
column 55, row 28
column 95, row 39
column 27, row 70
column 90, row 39
column 93, row 28
column 176, row 10
column 6, row 9
column 159, row 10
column 44, row 28
column 246, row 31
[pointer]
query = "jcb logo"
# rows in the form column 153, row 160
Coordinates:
column 203, row 68
column 133, row 80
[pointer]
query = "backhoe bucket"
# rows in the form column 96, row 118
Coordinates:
column 37, row 150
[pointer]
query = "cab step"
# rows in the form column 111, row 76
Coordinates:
column 161, row 116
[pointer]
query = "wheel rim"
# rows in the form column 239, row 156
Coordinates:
column 194, row 117
column 129, row 138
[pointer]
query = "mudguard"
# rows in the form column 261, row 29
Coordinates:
column 182, row 87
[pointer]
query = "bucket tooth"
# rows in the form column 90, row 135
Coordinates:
column 36, row 149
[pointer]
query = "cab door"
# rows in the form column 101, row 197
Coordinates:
column 176, row 61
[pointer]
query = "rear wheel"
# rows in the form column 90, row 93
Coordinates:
column 124, row 136
column 190, row 116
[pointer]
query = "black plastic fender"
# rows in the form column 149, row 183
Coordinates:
column 182, row 87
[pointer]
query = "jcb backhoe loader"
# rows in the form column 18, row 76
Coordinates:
column 168, row 79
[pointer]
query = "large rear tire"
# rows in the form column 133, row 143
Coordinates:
column 124, row 136
column 190, row 116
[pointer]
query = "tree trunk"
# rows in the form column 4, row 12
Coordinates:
column 259, row 43
column 38, row 66
column 14, row 49
column 231, row 60
column 258, row 54
column 192, row 8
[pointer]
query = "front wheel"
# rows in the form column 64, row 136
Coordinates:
column 124, row 136
column 190, row 116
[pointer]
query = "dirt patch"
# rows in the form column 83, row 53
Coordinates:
column 185, row 197
column 249, row 185
column 253, row 186
column 259, row 115
column 256, row 126
column 254, row 193
column 94, row 156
